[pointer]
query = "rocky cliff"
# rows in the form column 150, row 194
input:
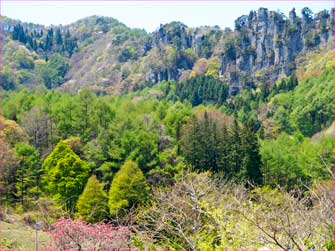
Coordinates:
column 109, row 57
column 263, row 45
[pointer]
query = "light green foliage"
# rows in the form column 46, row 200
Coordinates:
column 23, row 59
column 129, row 188
column 312, row 108
column 92, row 203
column 292, row 161
column 213, row 67
column 65, row 175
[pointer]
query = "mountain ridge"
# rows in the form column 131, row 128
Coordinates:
column 113, row 58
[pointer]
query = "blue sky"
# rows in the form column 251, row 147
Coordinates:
column 149, row 14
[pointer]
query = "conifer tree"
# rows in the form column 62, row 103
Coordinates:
column 129, row 187
column 236, row 151
column 58, row 38
column 27, row 175
column 252, row 158
column 92, row 203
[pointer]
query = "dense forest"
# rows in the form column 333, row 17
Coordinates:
column 187, row 163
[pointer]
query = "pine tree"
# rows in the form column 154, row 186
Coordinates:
column 92, row 203
column 129, row 187
column 252, row 158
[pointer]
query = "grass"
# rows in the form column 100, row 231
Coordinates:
column 21, row 237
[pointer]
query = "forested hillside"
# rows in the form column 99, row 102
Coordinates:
column 183, row 139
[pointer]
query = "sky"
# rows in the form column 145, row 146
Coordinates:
column 149, row 14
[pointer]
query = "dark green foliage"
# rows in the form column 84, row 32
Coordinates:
column 209, row 145
column 92, row 203
column 58, row 38
column 127, row 53
column 206, row 47
column 230, row 50
column 8, row 81
column 129, row 188
column 285, row 85
column 28, row 173
column 252, row 157
column 201, row 90
column 54, row 71
column 52, row 42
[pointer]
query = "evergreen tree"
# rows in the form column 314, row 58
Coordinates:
column 252, row 158
column 190, row 143
column 48, row 43
column 28, row 173
column 15, row 34
column 92, row 203
column 129, row 187
column 235, row 155
column 223, row 152
column 58, row 38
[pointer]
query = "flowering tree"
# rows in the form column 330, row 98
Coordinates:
column 78, row 235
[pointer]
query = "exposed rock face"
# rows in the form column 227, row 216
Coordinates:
column 264, row 45
column 113, row 58
column 267, row 40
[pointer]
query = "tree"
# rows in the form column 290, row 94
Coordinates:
column 252, row 157
column 129, row 187
column 39, row 127
column 280, row 163
column 53, row 72
column 9, row 165
column 77, row 235
column 28, row 173
column 175, row 218
column 65, row 175
column 83, row 114
column 92, row 203
column 59, row 40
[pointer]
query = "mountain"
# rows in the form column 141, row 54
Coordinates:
column 108, row 57
column 249, row 112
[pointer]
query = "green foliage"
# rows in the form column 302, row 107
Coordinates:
column 127, row 53
column 312, row 108
column 8, row 81
column 292, row 161
column 28, row 173
column 204, row 89
column 186, row 59
column 142, row 148
column 51, row 42
column 92, row 203
column 53, row 72
column 65, row 175
column 208, row 144
column 129, row 188
column 23, row 59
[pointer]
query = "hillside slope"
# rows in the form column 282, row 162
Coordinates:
column 103, row 54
